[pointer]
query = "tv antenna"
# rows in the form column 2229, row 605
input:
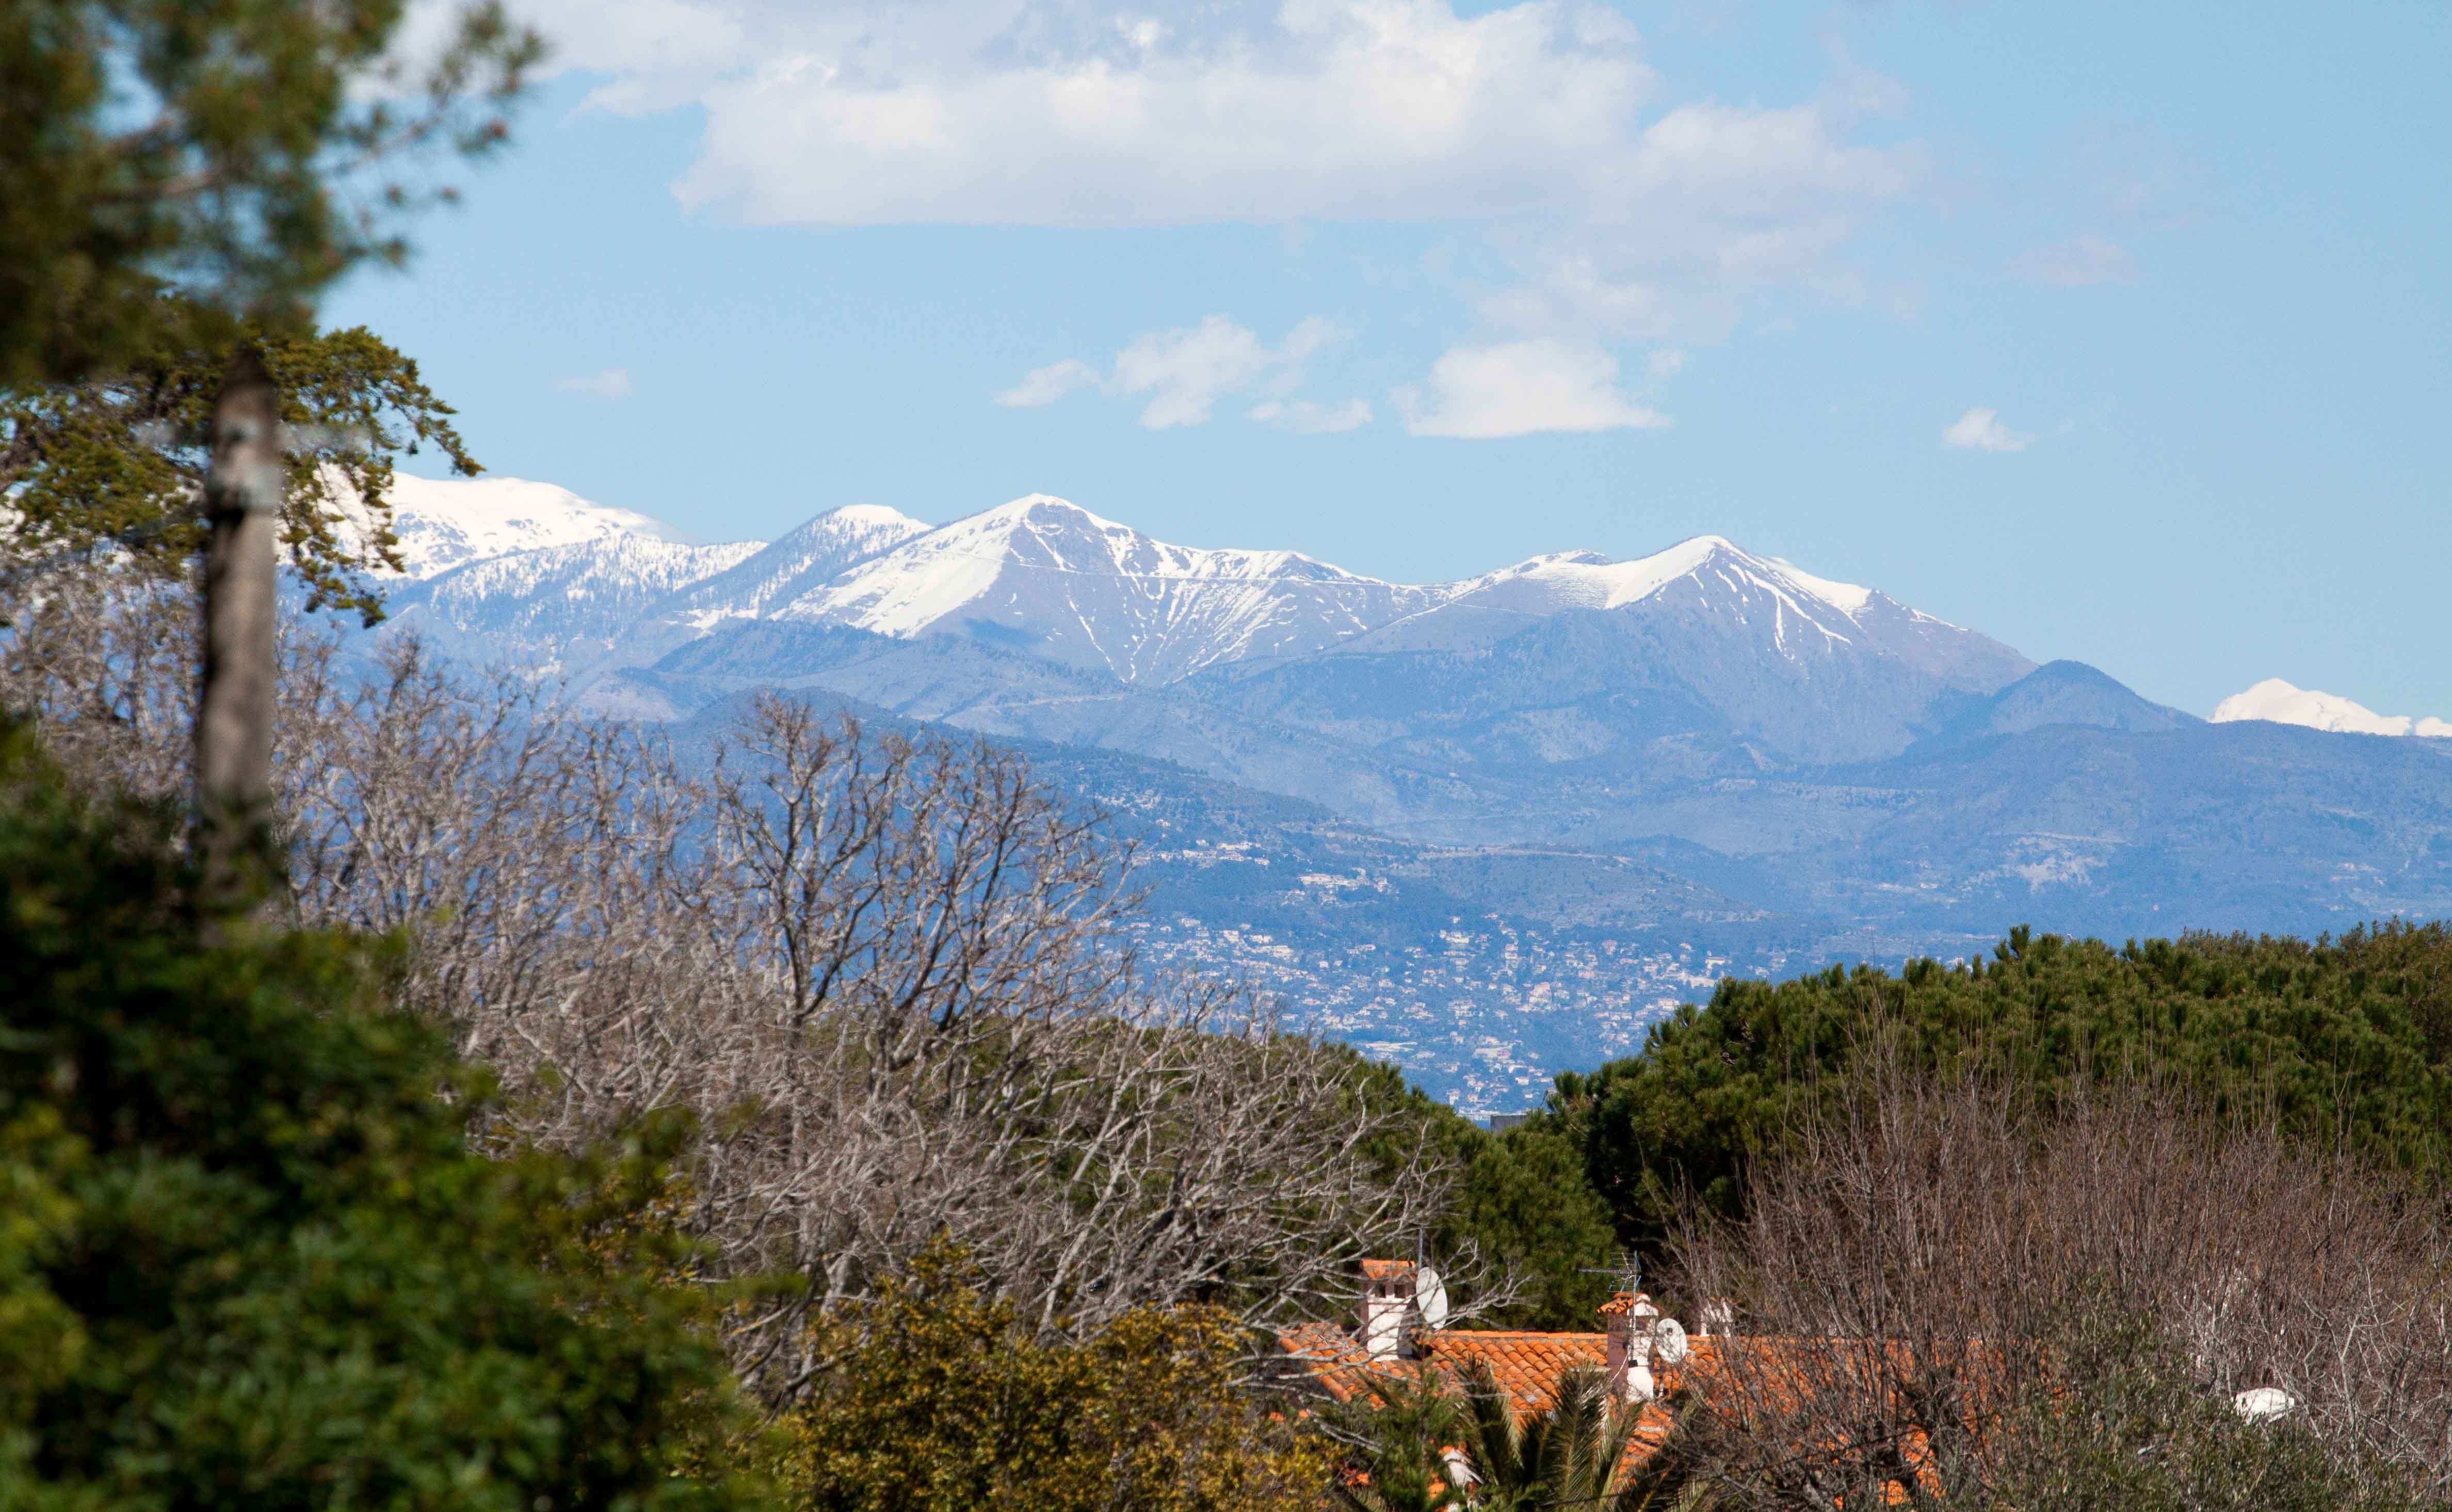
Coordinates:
column 1629, row 1271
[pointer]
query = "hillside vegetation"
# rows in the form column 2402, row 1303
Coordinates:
column 2347, row 1039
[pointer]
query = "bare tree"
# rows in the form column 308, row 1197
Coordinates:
column 889, row 977
column 107, row 668
column 1955, row 1295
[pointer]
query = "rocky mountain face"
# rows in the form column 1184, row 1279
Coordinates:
column 1489, row 828
column 1050, row 578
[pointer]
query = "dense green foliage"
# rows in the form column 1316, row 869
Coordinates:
column 1397, row 1434
column 114, row 461
column 1407, row 1434
column 2348, row 1037
column 227, row 149
column 1522, row 1203
column 1569, row 1456
column 935, row 1398
column 247, row 1258
column 1525, row 1203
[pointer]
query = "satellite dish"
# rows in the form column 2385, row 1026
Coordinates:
column 1431, row 1295
column 1669, row 1342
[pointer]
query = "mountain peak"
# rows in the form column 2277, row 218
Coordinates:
column 2057, row 693
column 1041, row 509
column 1044, row 573
column 871, row 517
column 2284, row 704
column 1041, row 573
column 1586, row 579
column 443, row 524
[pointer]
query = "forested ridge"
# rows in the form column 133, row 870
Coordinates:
column 2345, row 1039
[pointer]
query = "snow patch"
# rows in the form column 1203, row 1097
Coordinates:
column 448, row 524
column 1044, row 574
column 2282, row 704
column 1586, row 580
column 1089, row 592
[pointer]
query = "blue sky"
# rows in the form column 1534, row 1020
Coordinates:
column 2119, row 332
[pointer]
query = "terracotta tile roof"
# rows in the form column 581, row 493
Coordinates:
column 1387, row 1269
column 1526, row 1363
column 1528, row 1366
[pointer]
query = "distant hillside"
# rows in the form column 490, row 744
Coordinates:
column 1491, row 828
column 2348, row 1038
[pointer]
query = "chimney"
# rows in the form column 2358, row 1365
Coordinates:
column 1718, row 1317
column 1629, row 1317
column 1386, row 1301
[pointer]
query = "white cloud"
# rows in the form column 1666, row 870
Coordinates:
column 1982, row 430
column 613, row 383
column 1616, row 213
column 655, row 50
column 1182, row 374
column 2077, row 263
column 1045, row 385
column 1519, row 389
column 1707, row 206
column 1306, row 418
column 1332, row 109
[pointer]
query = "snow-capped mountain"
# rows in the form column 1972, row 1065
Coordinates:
column 1804, row 618
column 798, row 564
column 1573, row 653
column 442, row 524
column 506, row 570
column 1049, row 577
column 2282, row 704
column 556, row 609
column 537, row 572
column 1347, row 788
column 1695, row 657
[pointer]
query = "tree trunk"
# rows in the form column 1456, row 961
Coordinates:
column 243, row 493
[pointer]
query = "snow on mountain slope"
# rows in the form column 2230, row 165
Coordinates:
column 557, row 608
column 442, row 524
column 1588, row 581
column 1477, row 608
column 1802, row 620
column 2279, row 702
column 1050, row 576
column 1042, row 576
column 800, row 562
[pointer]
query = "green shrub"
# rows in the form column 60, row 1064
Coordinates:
column 935, row 1399
column 248, row 1258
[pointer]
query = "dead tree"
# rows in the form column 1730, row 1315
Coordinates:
column 1953, row 1295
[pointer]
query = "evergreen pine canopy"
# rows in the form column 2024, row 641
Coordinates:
column 116, row 463
column 243, row 151
column 246, row 1256
column 2346, row 1037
